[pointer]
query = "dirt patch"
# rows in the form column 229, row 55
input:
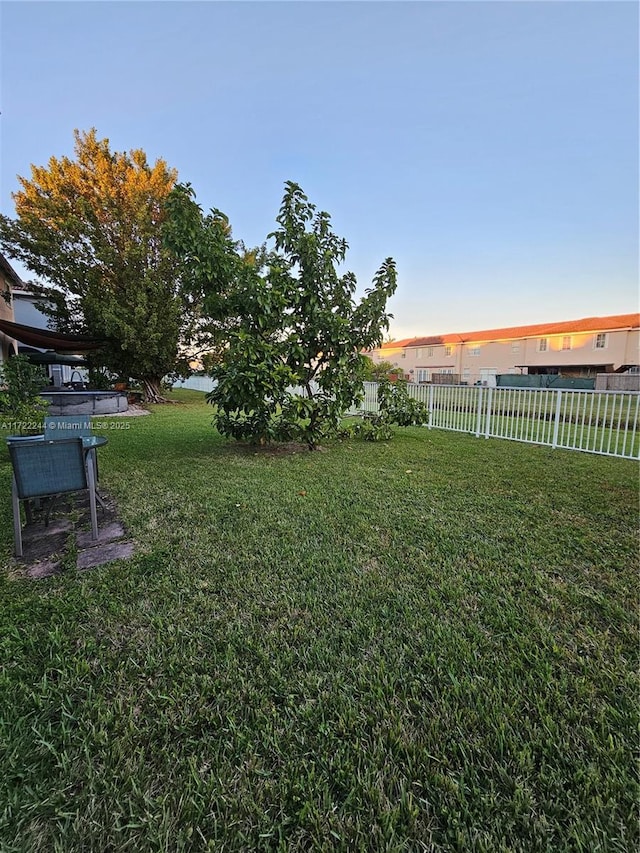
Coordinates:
column 283, row 448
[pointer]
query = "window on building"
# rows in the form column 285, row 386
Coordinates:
column 566, row 342
column 423, row 375
column 600, row 341
column 448, row 350
column 418, row 353
column 543, row 344
column 430, row 352
column 474, row 350
column 515, row 346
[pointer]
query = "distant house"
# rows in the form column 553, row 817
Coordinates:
column 24, row 330
column 61, row 368
column 9, row 279
column 574, row 348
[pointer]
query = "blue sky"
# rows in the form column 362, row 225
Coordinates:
column 491, row 148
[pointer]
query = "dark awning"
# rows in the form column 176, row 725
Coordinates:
column 47, row 339
column 37, row 356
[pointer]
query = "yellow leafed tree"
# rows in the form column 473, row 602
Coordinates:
column 91, row 227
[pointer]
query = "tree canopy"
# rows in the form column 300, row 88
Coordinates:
column 212, row 263
column 381, row 370
column 295, row 332
column 91, row 227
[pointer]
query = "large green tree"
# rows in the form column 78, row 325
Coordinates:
column 213, row 264
column 293, row 362
column 91, row 227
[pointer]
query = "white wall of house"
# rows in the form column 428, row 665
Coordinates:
column 7, row 345
column 27, row 314
column 25, row 311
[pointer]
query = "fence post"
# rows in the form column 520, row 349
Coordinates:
column 430, row 421
column 479, row 412
column 556, row 424
column 487, row 423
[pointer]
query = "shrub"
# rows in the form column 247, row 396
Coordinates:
column 20, row 402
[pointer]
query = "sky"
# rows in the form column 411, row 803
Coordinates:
column 490, row 148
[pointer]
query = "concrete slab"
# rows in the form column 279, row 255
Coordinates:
column 44, row 547
column 37, row 531
column 47, row 549
column 106, row 533
column 101, row 554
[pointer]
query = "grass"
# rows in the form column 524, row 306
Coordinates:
column 428, row 644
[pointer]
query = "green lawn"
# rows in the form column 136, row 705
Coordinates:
column 427, row 644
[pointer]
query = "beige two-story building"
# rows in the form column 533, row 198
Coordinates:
column 574, row 348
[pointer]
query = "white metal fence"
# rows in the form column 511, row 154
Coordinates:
column 196, row 383
column 604, row 422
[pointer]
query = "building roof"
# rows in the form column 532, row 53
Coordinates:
column 540, row 330
column 9, row 272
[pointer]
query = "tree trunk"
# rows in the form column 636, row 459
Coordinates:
column 153, row 390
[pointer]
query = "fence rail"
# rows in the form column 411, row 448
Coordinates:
column 603, row 422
